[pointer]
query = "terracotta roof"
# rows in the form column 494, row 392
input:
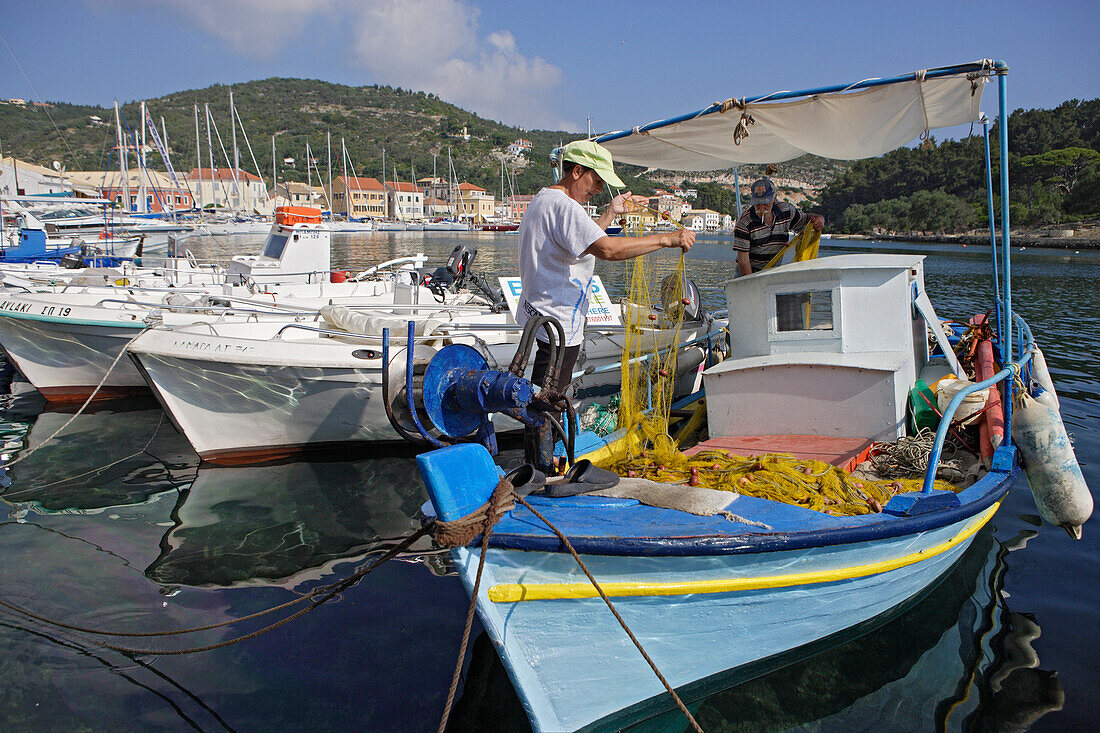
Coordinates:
column 402, row 186
column 222, row 174
column 362, row 184
column 469, row 187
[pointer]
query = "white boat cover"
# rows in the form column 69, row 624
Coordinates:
column 367, row 324
column 844, row 125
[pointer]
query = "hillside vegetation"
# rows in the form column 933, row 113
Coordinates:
column 1054, row 176
column 935, row 187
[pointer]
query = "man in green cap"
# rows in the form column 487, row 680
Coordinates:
column 559, row 243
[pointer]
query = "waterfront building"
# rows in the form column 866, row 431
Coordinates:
column 519, row 205
column 32, row 180
column 435, row 208
column 161, row 193
column 406, row 200
column 357, row 198
column 702, row 220
column 434, row 187
column 226, row 188
column 295, row 193
column 474, row 202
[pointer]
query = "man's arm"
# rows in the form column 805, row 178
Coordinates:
column 625, row 248
column 743, row 266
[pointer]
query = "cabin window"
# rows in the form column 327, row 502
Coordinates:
column 809, row 310
column 275, row 246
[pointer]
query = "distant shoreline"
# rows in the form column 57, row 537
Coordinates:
column 1021, row 239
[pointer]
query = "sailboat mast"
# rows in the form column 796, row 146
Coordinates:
column 328, row 147
column 309, row 170
column 122, row 160
column 347, row 189
column 198, row 155
column 236, row 152
column 143, row 205
column 210, row 149
column 274, row 173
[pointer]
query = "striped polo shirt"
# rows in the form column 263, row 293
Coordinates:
column 763, row 241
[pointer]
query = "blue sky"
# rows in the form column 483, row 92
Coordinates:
column 540, row 64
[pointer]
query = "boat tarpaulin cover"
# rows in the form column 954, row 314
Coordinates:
column 846, row 125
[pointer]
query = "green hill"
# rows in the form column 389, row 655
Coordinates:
column 411, row 126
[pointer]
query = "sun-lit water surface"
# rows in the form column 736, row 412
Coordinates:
column 114, row 525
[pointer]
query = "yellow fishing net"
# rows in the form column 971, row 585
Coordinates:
column 652, row 318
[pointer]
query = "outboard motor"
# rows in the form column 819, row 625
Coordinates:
column 458, row 391
column 72, row 261
column 455, row 274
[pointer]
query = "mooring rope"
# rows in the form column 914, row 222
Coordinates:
column 317, row 595
column 615, row 612
column 481, row 521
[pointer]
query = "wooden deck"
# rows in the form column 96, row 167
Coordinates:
column 843, row 452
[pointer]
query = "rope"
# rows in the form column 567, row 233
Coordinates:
column 82, row 407
column 90, row 471
column 924, row 110
column 908, row 456
column 318, row 596
column 480, row 522
column 614, row 611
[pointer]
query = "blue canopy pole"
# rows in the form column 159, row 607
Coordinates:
column 1006, row 345
column 992, row 230
column 737, row 191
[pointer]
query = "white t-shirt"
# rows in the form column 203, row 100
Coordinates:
column 555, row 272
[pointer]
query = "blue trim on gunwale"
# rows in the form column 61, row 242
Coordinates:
column 520, row 530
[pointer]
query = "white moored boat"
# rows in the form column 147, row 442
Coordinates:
column 66, row 336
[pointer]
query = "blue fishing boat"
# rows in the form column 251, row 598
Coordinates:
column 708, row 581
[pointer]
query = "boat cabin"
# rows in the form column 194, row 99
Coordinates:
column 828, row 347
column 297, row 250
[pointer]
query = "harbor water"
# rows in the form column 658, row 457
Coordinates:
column 110, row 523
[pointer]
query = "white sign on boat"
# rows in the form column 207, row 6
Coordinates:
column 601, row 310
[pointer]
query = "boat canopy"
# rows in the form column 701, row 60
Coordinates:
column 861, row 120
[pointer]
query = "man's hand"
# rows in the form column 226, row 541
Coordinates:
column 621, row 203
column 682, row 238
column 817, row 221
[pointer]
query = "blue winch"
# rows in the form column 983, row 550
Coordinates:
column 458, row 392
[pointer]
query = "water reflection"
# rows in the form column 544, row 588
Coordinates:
column 285, row 524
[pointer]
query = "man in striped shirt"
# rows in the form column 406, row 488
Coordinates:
column 764, row 230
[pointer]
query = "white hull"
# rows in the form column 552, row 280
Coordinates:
column 65, row 360
column 241, row 399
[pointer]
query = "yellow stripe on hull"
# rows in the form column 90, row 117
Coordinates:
column 516, row 592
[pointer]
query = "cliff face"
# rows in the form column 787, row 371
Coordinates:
column 802, row 179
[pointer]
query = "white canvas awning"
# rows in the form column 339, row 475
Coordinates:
column 844, row 124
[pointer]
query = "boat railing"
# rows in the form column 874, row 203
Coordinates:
column 368, row 336
column 1008, row 375
column 418, row 260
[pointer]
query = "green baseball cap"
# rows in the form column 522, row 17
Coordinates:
column 594, row 156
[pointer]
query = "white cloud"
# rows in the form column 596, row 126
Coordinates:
column 257, row 28
column 434, row 45
column 430, row 45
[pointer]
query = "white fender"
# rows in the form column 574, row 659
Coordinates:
column 1041, row 375
column 1057, row 484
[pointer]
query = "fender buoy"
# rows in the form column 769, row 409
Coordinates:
column 1040, row 375
column 1057, row 485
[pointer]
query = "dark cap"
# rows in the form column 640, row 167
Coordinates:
column 762, row 191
